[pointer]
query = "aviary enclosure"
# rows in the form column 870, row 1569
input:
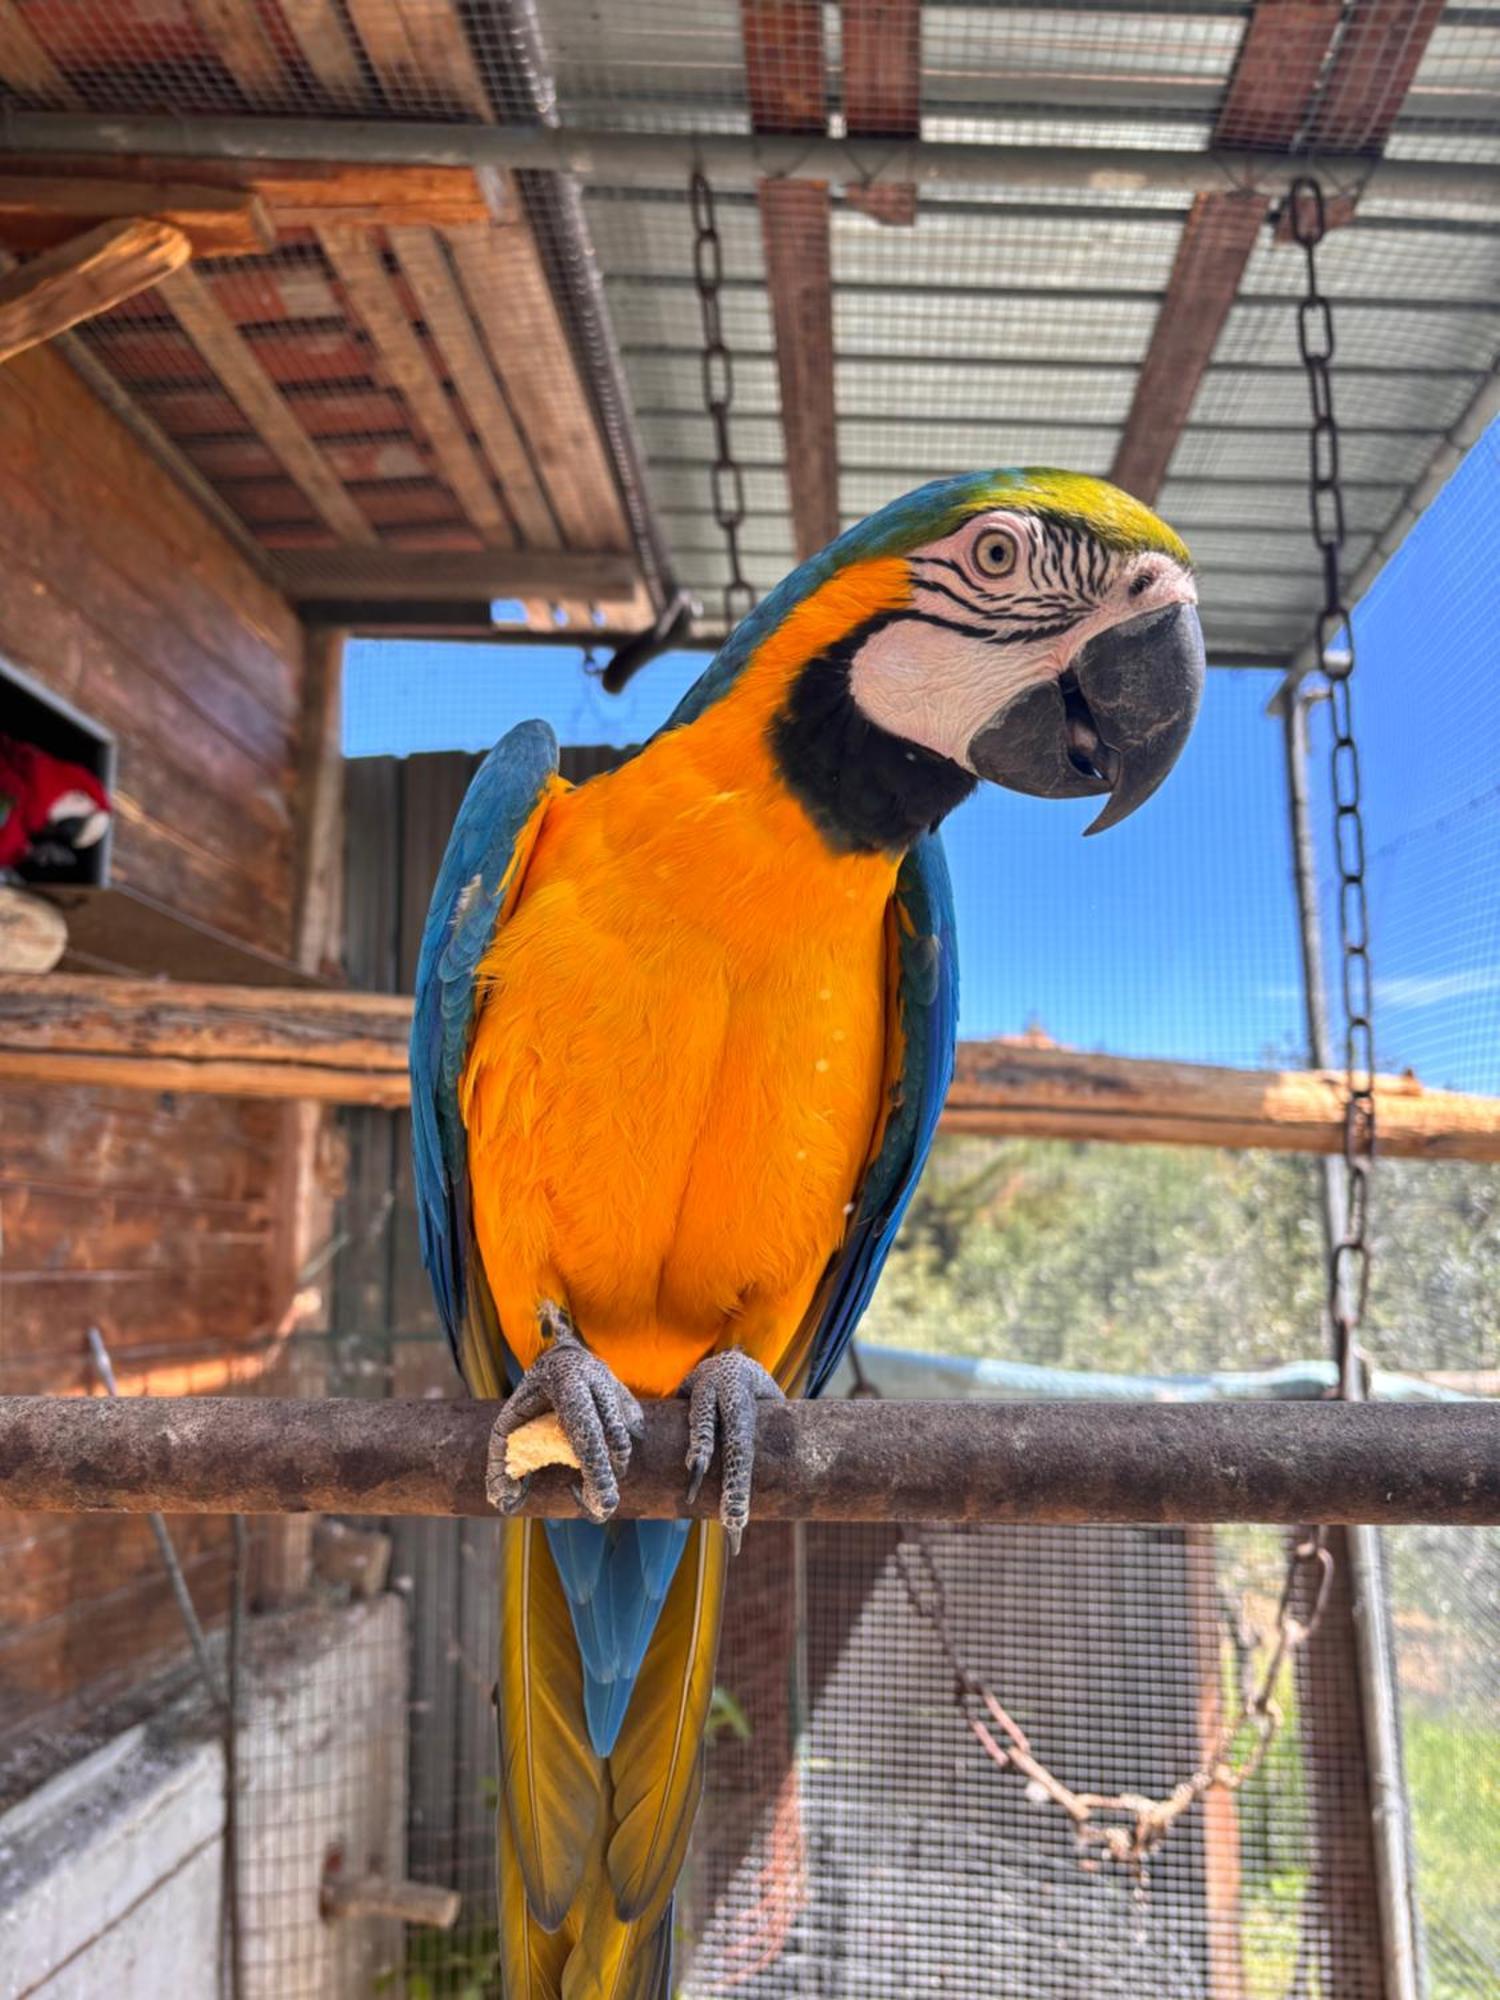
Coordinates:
column 350, row 321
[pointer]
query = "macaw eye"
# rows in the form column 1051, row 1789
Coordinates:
column 995, row 552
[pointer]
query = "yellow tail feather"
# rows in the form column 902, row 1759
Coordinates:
column 590, row 1850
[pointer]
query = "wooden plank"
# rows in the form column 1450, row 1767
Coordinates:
column 246, row 622
column 882, row 48
column 1271, row 90
column 40, row 210
column 388, row 576
column 1341, row 1944
column 419, row 52
column 500, row 270
column 1216, row 243
column 28, row 68
column 227, row 353
column 453, row 331
column 786, row 78
column 359, row 461
column 794, row 217
column 86, row 275
column 1274, row 100
column 1377, row 59
column 235, row 34
column 318, row 29
column 351, row 1048
column 300, row 194
column 1218, row 1813
column 359, row 269
column 1275, row 76
column 785, row 72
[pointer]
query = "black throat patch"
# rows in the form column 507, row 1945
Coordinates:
column 866, row 790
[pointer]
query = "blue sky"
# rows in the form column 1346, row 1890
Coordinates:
column 1174, row 934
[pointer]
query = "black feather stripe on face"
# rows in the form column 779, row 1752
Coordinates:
column 867, row 791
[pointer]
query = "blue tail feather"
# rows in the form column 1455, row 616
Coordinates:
column 615, row 1579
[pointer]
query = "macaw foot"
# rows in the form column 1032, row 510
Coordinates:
column 598, row 1415
column 722, row 1393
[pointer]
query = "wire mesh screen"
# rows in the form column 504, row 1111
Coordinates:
column 856, row 1838
column 457, row 404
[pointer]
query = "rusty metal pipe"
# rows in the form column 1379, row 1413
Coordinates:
column 848, row 1461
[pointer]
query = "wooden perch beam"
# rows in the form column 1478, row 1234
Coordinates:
column 86, row 275
column 1072, row 1463
column 38, row 211
column 350, row 1048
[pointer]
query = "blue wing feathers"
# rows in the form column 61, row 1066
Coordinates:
column 460, row 924
column 928, row 999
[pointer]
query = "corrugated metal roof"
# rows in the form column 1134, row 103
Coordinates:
column 1005, row 325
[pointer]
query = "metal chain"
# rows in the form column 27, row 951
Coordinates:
column 1349, row 1260
column 726, row 480
column 1122, row 1827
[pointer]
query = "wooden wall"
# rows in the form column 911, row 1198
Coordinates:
column 151, row 1218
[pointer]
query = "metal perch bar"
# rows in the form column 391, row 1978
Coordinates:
column 633, row 158
column 848, row 1461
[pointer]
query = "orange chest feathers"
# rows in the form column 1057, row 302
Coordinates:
column 679, row 1064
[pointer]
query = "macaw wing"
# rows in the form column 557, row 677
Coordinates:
column 487, row 852
column 923, row 984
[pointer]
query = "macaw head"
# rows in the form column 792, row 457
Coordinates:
column 1034, row 628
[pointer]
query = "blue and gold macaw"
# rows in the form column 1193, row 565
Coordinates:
column 682, row 1037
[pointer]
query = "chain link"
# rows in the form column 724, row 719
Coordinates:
column 726, row 480
column 1349, row 1261
column 1123, row 1827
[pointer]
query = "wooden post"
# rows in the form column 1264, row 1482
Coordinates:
column 305, row 1207
column 83, row 276
column 1221, row 1830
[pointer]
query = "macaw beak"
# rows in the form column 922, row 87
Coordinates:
column 1115, row 722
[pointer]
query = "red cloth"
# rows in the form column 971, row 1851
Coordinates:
column 32, row 781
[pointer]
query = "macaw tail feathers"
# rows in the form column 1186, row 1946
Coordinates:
column 590, row 1846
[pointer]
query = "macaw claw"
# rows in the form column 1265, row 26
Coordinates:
column 598, row 1415
column 722, row 1393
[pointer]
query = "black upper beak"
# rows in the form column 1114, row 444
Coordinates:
column 1115, row 723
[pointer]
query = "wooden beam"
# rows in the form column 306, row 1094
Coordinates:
column 882, row 47
column 421, row 257
column 86, row 275
column 38, row 211
column 374, row 300
column 27, row 67
column 1271, row 90
column 298, row 194
column 350, row 1048
column 787, row 81
column 1378, row 56
column 1274, row 82
column 236, row 35
column 227, row 353
column 1216, row 244
column 502, row 276
column 421, row 55
column 318, row 29
column 794, row 220
column 1276, row 96
column 456, row 575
